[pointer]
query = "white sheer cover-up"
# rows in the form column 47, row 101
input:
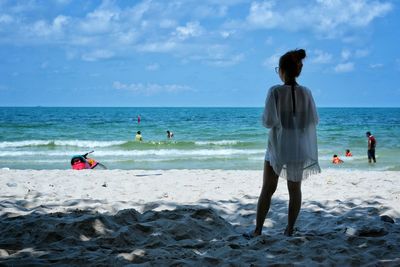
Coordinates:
column 292, row 143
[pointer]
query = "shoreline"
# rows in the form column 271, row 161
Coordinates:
column 191, row 217
column 329, row 168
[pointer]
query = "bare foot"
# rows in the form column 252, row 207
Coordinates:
column 251, row 234
column 288, row 232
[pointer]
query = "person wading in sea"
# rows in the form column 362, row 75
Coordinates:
column 371, row 147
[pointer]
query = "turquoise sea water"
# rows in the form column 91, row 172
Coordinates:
column 205, row 138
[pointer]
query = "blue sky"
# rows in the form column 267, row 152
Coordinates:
column 196, row 53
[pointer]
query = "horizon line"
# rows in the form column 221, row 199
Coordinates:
column 44, row 106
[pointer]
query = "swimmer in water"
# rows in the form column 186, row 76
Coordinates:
column 336, row 160
column 371, row 147
column 138, row 136
column 170, row 134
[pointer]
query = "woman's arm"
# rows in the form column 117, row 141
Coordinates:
column 313, row 109
column 270, row 116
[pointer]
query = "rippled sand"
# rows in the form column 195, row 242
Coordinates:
column 194, row 217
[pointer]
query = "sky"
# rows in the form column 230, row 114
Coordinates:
column 196, row 53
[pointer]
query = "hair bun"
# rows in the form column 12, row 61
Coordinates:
column 301, row 53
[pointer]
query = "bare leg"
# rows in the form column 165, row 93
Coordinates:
column 270, row 182
column 294, row 205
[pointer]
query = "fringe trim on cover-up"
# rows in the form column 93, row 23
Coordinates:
column 297, row 174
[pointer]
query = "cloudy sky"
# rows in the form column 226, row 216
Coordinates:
column 196, row 53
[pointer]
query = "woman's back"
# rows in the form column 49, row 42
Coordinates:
column 298, row 116
column 292, row 142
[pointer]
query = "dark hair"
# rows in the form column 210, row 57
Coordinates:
column 291, row 64
column 368, row 133
column 138, row 132
column 347, row 150
column 335, row 156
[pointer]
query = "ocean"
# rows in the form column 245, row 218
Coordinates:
column 204, row 138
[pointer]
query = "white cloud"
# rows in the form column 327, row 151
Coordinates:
column 262, row 15
column 350, row 13
column 153, row 67
column 216, row 55
column 163, row 46
column 207, row 10
column 326, row 17
column 6, row 19
column 41, row 28
column 221, row 60
column 126, row 38
column 376, row 65
column 99, row 21
column 192, row 29
column 361, row 53
column 345, row 54
column 272, row 61
column 344, row 67
column 168, row 23
column 321, row 57
column 136, row 13
column 227, row 34
column 150, row 88
column 269, row 40
column 97, row 54
column 60, row 22
column 162, row 26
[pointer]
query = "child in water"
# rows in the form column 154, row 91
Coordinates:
column 336, row 160
column 348, row 153
column 138, row 136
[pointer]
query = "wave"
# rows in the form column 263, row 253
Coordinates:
column 25, row 143
column 393, row 168
column 121, row 143
column 218, row 143
column 150, row 152
column 353, row 158
column 75, row 143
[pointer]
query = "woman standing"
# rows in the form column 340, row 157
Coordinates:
column 292, row 152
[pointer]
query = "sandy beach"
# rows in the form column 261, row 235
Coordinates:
column 194, row 218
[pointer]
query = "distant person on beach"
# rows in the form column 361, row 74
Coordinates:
column 371, row 147
column 336, row 160
column 292, row 152
column 138, row 136
column 170, row 134
column 348, row 153
column 138, row 119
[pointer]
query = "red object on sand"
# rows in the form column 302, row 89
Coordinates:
column 80, row 166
